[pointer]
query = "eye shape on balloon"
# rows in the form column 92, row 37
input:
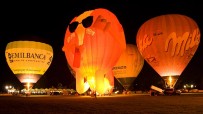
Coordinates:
column 87, row 22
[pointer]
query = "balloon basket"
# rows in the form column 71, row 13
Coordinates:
column 170, row 81
column 28, row 88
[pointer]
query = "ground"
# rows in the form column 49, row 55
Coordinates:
column 122, row 104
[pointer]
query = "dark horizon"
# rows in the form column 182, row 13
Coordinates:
column 48, row 23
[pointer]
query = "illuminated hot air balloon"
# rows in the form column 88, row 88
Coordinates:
column 168, row 42
column 93, row 43
column 109, row 82
column 128, row 66
column 28, row 60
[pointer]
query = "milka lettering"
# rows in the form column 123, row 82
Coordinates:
column 180, row 43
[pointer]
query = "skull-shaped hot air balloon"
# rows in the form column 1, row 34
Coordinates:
column 128, row 66
column 93, row 43
column 168, row 42
column 28, row 60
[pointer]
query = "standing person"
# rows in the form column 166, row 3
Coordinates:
column 95, row 94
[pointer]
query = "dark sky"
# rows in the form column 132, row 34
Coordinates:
column 48, row 22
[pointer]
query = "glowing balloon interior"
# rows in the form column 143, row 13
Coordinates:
column 28, row 60
column 128, row 66
column 168, row 42
column 93, row 43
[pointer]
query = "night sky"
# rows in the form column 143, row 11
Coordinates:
column 47, row 22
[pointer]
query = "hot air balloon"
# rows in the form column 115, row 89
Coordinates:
column 128, row 66
column 28, row 60
column 93, row 43
column 109, row 82
column 168, row 42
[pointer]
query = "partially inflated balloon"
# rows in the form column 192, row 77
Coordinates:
column 128, row 66
column 28, row 60
column 168, row 42
column 93, row 43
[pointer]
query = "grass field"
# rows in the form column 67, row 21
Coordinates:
column 115, row 104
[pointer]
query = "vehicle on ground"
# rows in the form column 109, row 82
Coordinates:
column 156, row 91
column 171, row 91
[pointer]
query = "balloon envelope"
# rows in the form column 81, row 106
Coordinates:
column 128, row 66
column 168, row 42
column 93, row 43
column 28, row 60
